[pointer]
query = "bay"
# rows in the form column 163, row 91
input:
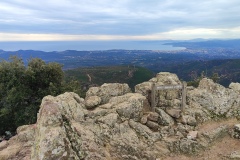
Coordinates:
column 86, row 45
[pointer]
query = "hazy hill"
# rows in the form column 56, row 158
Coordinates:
column 232, row 43
column 153, row 60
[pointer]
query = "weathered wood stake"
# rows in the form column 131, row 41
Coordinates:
column 184, row 94
column 155, row 88
column 153, row 97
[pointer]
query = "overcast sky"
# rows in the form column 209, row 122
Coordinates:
column 43, row 20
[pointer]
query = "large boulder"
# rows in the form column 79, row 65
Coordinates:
column 164, row 98
column 92, row 102
column 166, row 78
column 54, row 133
column 235, row 86
column 108, row 90
column 216, row 99
column 131, row 108
column 162, row 78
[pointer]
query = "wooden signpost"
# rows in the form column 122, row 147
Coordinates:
column 155, row 88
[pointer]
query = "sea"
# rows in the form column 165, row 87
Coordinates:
column 86, row 45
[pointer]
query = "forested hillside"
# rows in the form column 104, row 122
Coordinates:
column 109, row 74
column 225, row 70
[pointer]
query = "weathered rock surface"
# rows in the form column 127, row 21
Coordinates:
column 216, row 133
column 215, row 99
column 234, row 155
column 192, row 135
column 113, row 123
column 175, row 113
column 236, row 130
column 92, row 102
column 164, row 118
column 235, row 86
column 169, row 98
column 19, row 146
column 107, row 91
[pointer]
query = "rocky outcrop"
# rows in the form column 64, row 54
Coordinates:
column 113, row 123
column 215, row 100
column 108, row 90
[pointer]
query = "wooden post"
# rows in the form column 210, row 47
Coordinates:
column 184, row 94
column 155, row 88
column 153, row 97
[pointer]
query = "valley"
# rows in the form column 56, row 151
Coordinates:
column 199, row 58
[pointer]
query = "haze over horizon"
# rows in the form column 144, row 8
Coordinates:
column 74, row 20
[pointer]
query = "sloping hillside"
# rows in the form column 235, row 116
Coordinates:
column 110, row 74
column 228, row 70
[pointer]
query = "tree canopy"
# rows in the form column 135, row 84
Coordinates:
column 22, row 88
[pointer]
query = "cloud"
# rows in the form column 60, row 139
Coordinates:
column 177, row 34
column 119, row 18
column 203, row 33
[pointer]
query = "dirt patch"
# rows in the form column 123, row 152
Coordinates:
column 208, row 126
column 220, row 149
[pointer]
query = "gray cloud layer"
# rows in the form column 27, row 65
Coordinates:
column 119, row 17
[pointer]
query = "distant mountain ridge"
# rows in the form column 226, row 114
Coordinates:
column 151, row 59
column 214, row 43
column 194, row 60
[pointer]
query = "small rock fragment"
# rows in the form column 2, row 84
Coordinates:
column 144, row 119
column 152, row 125
column 153, row 116
column 175, row 113
column 192, row 135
